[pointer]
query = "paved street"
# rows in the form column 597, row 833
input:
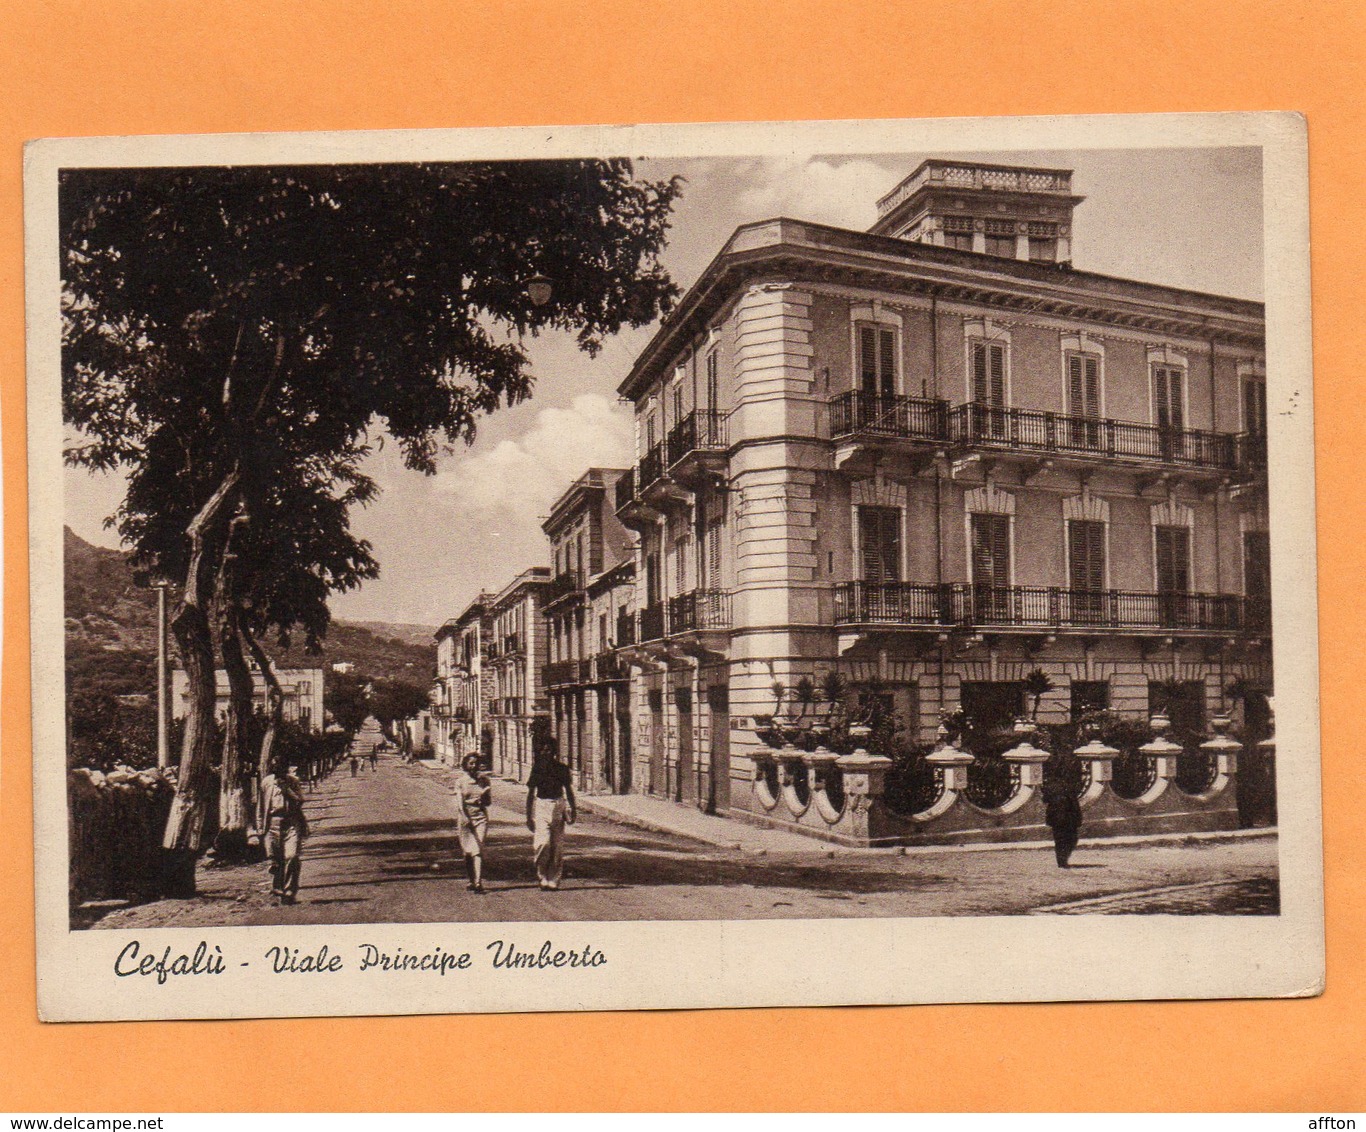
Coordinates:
column 384, row 850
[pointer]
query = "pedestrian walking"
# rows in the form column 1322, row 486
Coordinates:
column 355, row 764
column 474, row 793
column 374, row 757
column 282, row 818
column 549, row 805
column 1062, row 806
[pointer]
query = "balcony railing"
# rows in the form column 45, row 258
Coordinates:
column 697, row 432
column 1251, row 452
column 700, row 609
column 1045, row 607
column 979, row 425
column 914, row 418
column 652, row 622
column 625, row 488
column 607, row 667
column 626, row 628
column 562, row 585
column 651, row 466
column 560, row 672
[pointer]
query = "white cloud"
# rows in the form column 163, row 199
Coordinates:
column 842, row 193
column 519, row 479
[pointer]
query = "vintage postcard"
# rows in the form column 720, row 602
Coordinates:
column 673, row 566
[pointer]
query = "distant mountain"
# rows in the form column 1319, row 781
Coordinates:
column 111, row 632
column 420, row 635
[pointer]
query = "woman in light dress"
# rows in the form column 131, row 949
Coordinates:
column 549, row 803
column 473, row 792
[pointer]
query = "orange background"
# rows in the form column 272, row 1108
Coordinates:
column 138, row 67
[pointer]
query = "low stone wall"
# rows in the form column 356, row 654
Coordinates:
column 116, row 821
column 841, row 798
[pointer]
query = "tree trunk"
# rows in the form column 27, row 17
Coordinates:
column 194, row 783
column 274, row 711
column 233, row 810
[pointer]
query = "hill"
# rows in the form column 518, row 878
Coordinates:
column 111, row 632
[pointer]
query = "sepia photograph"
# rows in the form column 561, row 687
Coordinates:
column 739, row 532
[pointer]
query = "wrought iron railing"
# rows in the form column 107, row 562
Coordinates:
column 608, row 666
column 652, row 622
column 625, row 488
column 979, row 425
column 700, row 609
column 651, row 466
column 562, row 585
column 912, row 603
column 559, row 673
column 697, row 432
column 917, row 418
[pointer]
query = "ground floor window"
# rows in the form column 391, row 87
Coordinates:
column 991, row 705
column 1088, row 696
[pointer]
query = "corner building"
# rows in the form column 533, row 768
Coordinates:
column 934, row 457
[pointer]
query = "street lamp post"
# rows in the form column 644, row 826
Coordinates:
column 163, row 696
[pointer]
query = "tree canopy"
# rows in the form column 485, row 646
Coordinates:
column 236, row 338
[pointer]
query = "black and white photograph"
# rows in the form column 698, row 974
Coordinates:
column 673, row 566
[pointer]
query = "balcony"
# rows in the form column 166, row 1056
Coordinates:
column 858, row 413
column 698, row 611
column 1251, row 447
column 560, row 673
column 652, row 622
column 1045, row 608
column 608, row 668
column 562, row 586
column 697, row 447
column 1090, row 439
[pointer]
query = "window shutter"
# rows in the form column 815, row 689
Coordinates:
column 991, row 550
column 979, row 372
column 998, row 374
column 868, row 359
column 1257, row 564
column 1254, row 408
column 1086, row 553
column 1173, row 560
column 1092, row 402
column 1075, row 385
column 880, row 543
column 887, row 358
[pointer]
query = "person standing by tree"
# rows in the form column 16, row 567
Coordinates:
column 282, row 808
column 549, row 804
column 474, row 793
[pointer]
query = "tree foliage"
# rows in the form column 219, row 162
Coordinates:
column 237, row 338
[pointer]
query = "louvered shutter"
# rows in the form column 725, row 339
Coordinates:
column 998, row 373
column 887, row 360
column 1173, row 560
column 979, row 372
column 1076, row 386
column 991, row 550
column 1254, row 408
column 1092, row 367
column 1086, row 553
column 880, row 544
column 868, row 359
column 1257, row 565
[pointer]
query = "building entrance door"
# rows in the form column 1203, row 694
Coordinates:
column 686, row 786
column 624, row 779
column 656, row 783
column 718, row 778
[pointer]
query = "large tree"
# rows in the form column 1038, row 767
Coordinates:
column 224, row 326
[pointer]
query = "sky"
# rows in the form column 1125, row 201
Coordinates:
column 1183, row 217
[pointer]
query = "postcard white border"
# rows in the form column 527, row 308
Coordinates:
column 667, row 964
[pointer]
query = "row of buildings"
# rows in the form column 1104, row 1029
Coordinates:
column 933, row 457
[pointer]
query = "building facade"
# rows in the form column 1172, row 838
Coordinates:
column 302, row 689
column 513, row 662
column 589, row 598
column 934, row 459
column 462, row 696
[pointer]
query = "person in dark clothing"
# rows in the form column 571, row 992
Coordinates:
column 286, row 827
column 1062, row 805
column 549, row 805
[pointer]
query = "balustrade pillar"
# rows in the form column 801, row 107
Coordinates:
column 1160, row 749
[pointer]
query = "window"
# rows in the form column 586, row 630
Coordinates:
column 1086, row 570
column 713, row 384
column 1001, row 238
column 1089, row 696
column 877, row 359
column 989, row 373
column 1083, row 400
column 1254, row 406
column 678, row 403
column 879, row 530
column 960, row 241
column 1043, row 249
column 1169, row 400
column 991, row 566
column 991, row 705
column 1173, row 574
column 711, row 566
